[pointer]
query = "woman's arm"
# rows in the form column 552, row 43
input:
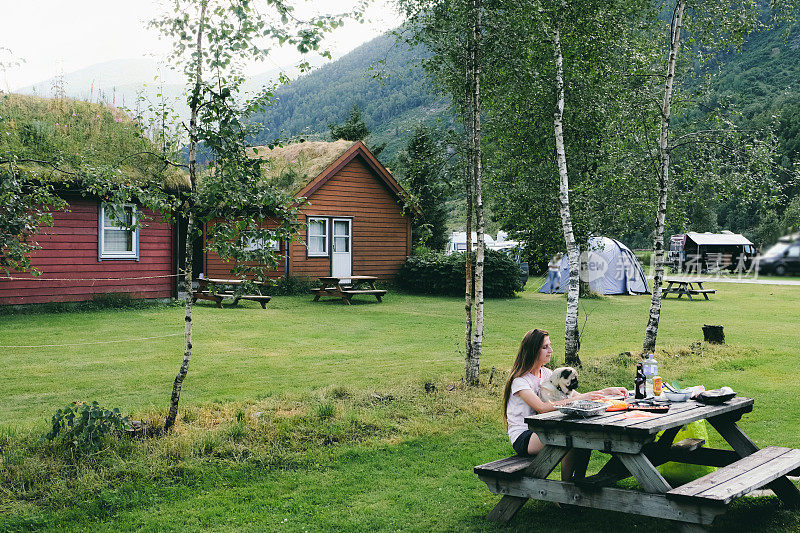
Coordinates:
column 541, row 406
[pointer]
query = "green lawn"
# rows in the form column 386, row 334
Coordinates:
column 256, row 450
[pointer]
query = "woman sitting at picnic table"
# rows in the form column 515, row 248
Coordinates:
column 522, row 400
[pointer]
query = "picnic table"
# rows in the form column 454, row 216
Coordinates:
column 347, row 287
column 685, row 286
column 216, row 290
column 634, row 451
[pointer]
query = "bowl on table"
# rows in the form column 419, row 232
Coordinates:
column 679, row 396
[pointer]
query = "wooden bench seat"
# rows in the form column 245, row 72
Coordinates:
column 739, row 478
column 508, row 468
column 364, row 291
column 262, row 299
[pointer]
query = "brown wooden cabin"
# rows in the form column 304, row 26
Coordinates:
column 83, row 255
column 355, row 224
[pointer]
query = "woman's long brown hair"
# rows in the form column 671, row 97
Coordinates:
column 526, row 357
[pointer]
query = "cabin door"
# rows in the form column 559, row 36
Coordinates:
column 342, row 256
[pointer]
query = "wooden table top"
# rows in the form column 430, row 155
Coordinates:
column 356, row 278
column 221, row 281
column 679, row 414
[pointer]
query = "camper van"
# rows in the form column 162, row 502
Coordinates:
column 782, row 257
column 710, row 252
column 458, row 243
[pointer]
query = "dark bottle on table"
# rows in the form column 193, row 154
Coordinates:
column 639, row 383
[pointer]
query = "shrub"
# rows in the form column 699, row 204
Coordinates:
column 289, row 285
column 437, row 273
column 85, row 427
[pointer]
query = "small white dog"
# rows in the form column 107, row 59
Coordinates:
column 561, row 384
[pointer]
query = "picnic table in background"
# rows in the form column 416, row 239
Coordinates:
column 347, row 287
column 685, row 286
column 216, row 290
column 630, row 440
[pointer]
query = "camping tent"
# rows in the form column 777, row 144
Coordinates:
column 610, row 267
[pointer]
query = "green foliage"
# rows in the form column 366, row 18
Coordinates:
column 437, row 273
column 353, row 129
column 86, row 427
column 290, row 285
column 25, row 205
column 423, row 175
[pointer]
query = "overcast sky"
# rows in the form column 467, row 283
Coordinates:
column 55, row 36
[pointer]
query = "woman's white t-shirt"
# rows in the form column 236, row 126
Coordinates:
column 517, row 409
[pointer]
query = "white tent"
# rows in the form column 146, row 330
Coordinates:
column 610, row 268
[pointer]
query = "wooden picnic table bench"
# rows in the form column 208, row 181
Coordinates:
column 686, row 287
column 636, row 450
column 347, row 287
column 216, row 290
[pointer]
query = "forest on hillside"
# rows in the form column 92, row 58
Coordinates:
column 758, row 89
column 384, row 77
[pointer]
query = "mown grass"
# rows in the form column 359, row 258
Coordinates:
column 315, row 416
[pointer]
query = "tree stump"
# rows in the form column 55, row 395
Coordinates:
column 713, row 334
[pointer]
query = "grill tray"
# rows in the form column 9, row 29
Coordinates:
column 583, row 408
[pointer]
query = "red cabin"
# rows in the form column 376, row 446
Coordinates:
column 87, row 253
column 354, row 216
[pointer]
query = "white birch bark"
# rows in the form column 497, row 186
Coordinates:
column 651, row 331
column 571, row 339
column 468, row 180
column 187, row 353
column 473, row 367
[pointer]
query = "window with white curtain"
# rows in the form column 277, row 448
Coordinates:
column 118, row 235
column 317, row 237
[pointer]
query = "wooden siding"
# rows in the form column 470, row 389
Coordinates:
column 69, row 253
column 215, row 267
column 381, row 233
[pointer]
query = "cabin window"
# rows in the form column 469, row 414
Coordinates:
column 118, row 235
column 259, row 244
column 317, row 237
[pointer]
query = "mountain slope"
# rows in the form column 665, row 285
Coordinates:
column 384, row 77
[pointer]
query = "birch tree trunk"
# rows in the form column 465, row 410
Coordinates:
column 473, row 365
column 468, row 181
column 651, row 331
column 571, row 339
column 187, row 353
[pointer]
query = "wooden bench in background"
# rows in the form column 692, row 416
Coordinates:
column 346, row 288
column 216, row 290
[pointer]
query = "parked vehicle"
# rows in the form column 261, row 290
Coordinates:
column 782, row 257
column 710, row 252
column 458, row 243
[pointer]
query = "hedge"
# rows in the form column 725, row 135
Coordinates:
column 436, row 273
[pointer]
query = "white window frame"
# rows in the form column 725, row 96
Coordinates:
column 102, row 254
column 326, row 247
column 258, row 244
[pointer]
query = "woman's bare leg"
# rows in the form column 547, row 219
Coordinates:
column 534, row 445
column 573, row 465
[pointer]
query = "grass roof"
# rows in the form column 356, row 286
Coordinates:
column 80, row 136
column 290, row 168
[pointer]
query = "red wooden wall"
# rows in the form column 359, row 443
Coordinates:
column 381, row 232
column 68, row 261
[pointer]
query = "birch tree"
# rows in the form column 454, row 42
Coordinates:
column 474, row 140
column 712, row 28
column 211, row 40
column 454, row 31
column 571, row 339
column 558, row 72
